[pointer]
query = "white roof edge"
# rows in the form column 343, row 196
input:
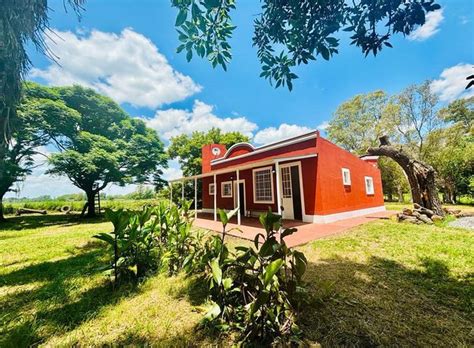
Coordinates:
column 268, row 147
column 233, row 147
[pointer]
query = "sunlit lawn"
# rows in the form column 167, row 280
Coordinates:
column 384, row 283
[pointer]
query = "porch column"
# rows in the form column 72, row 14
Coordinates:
column 238, row 197
column 182, row 190
column 278, row 197
column 215, row 198
column 195, row 198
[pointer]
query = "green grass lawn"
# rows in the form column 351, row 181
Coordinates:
column 400, row 206
column 383, row 283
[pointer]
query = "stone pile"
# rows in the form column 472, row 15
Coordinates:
column 420, row 215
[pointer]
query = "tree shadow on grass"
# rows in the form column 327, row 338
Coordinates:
column 383, row 303
column 54, row 300
column 18, row 223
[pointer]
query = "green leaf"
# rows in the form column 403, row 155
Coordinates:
column 106, row 237
column 213, row 312
column 227, row 283
column 271, row 270
column 216, row 271
column 181, row 18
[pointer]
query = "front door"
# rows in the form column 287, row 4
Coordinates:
column 290, row 193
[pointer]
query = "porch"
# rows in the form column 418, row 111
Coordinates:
column 307, row 232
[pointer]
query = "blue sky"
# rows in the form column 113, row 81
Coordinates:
column 128, row 51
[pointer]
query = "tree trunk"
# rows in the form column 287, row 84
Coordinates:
column 390, row 196
column 401, row 199
column 2, row 217
column 421, row 176
column 90, row 203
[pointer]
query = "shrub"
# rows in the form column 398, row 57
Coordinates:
column 256, row 291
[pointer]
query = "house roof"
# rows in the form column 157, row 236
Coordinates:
column 264, row 148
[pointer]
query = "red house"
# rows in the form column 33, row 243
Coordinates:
column 303, row 178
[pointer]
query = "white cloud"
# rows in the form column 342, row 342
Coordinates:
column 172, row 122
column 431, row 26
column 452, row 83
column 127, row 67
column 323, row 125
column 173, row 171
column 272, row 134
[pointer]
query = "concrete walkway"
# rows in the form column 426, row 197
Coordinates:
column 307, row 232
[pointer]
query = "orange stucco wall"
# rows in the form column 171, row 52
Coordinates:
column 331, row 195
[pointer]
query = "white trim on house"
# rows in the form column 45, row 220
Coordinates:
column 344, row 181
column 254, row 183
column 324, row 219
column 223, row 183
column 236, row 187
column 268, row 147
column 369, row 190
column 300, row 172
column 227, row 153
column 209, row 189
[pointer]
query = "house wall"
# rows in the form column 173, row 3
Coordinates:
column 331, row 195
column 323, row 189
column 228, row 203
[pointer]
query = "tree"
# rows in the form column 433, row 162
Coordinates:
column 187, row 149
column 38, row 117
column 421, row 176
column 288, row 33
column 460, row 111
column 358, row 123
column 394, row 181
column 451, row 150
column 21, row 23
column 417, row 117
column 104, row 144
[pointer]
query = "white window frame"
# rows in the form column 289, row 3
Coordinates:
column 344, row 182
column 254, row 183
column 367, row 191
column 213, row 192
column 222, row 189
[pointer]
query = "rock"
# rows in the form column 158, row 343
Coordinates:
column 407, row 211
column 425, row 219
column 435, row 218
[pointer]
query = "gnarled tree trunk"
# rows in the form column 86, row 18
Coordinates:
column 421, row 176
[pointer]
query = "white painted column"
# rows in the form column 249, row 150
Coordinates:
column 195, row 198
column 278, row 178
column 182, row 190
column 238, row 197
column 215, row 198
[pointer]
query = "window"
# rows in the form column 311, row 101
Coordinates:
column 226, row 189
column 286, row 182
column 346, row 177
column 369, row 185
column 263, row 185
column 212, row 192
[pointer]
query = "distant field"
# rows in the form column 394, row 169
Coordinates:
column 56, row 205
